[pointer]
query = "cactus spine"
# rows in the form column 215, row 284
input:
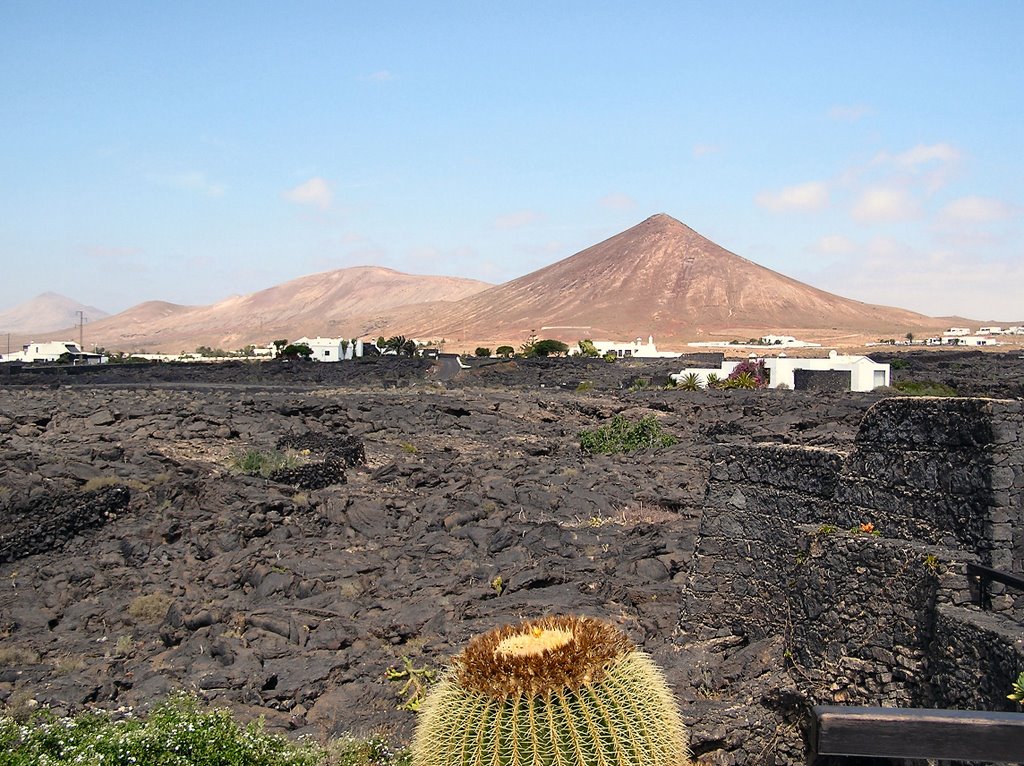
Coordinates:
column 558, row 691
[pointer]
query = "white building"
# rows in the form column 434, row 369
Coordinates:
column 957, row 331
column 972, row 340
column 865, row 373
column 332, row 349
column 992, row 330
column 634, row 349
column 52, row 351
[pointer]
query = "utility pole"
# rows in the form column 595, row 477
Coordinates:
column 81, row 323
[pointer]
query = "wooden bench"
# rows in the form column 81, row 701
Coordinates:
column 914, row 733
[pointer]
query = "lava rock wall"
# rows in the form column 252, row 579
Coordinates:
column 858, row 559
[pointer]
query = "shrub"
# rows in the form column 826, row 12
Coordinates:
column 482, row 351
column 558, row 690
column 505, row 351
column 175, row 732
column 585, row 385
column 748, row 374
column 924, row 388
column 587, row 348
column 151, row 608
column 297, row 351
column 713, row 381
column 265, row 463
column 689, row 382
column 620, row 435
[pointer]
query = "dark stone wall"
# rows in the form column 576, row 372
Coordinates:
column 822, row 380
column 880, row 613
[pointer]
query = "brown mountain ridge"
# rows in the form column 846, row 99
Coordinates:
column 658, row 278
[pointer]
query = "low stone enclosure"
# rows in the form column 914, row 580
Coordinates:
column 882, row 614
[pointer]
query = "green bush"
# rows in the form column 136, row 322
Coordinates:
column 176, row 733
column 505, row 351
column 482, row 351
column 621, row 435
column 923, row 388
column 256, row 462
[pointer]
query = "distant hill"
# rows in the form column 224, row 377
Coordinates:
column 341, row 303
column 658, row 278
column 46, row 312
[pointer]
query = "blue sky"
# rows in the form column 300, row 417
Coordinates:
column 188, row 151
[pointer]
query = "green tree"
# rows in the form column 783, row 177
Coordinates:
column 279, row 345
column 297, row 351
column 482, row 351
column 528, row 348
column 587, row 348
column 505, row 351
column 408, row 348
column 548, row 347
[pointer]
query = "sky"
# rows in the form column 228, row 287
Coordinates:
column 190, row 151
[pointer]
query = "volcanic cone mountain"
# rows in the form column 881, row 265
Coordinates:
column 659, row 277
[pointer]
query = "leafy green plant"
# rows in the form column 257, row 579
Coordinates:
column 1017, row 693
column 177, row 732
column 585, row 385
column 505, row 351
column 482, row 351
column 255, row 462
column 587, row 348
column 713, row 380
column 689, row 382
column 621, row 435
column 408, row 448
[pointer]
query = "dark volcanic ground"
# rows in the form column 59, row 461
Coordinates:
column 135, row 560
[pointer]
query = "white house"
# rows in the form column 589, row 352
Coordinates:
column 972, row 340
column 865, row 373
column 957, row 331
column 52, row 351
column 634, row 349
column 332, row 349
column 991, row 330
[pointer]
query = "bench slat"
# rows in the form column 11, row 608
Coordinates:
column 919, row 733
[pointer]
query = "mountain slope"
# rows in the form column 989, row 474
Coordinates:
column 659, row 277
column 333, row 303
column 46, row 312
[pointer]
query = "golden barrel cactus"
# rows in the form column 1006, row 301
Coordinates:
column 557, row 691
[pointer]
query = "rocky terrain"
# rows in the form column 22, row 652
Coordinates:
column 135, row 557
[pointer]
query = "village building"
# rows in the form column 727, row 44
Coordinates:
column 53, row 351
column 851, row 373
column 332, row 349
column 635, row 349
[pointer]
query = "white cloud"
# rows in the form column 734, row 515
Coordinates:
column 926, row 153
column 617, row 202
column 849, row 113
column 977, row 210
column 812, row 195
column 517, row 219
column 834, row 244
column 880, row 204
column 316, row 192
column 937, row 282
